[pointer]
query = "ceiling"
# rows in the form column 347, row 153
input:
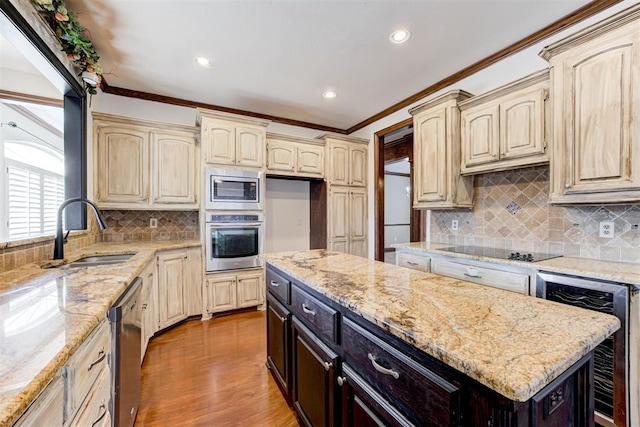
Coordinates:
column 278, row 57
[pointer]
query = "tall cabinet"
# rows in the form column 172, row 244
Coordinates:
column 346, row 170
column 595, row 90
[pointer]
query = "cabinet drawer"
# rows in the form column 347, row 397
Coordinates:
column 322, row 318
column 400, row 379
column 414, row 261
column 85, row 366
column 484, row 276
column 46, row 410
column 279, row 286
column 95, row 409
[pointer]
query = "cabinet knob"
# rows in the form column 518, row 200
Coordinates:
column 327, row 365
column 503, row 154
column 567, row 185
column 494, row 155
column 341, row 381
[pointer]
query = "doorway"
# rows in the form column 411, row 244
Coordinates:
column 395, row 220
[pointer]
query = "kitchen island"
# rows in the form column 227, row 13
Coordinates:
column 488, row 356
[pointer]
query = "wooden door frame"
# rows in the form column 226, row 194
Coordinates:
column 378, row 179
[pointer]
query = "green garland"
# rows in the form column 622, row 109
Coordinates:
column 71, row 35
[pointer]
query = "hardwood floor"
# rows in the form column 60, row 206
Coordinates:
column 212, row 373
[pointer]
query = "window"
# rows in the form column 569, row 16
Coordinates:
column 35, row 189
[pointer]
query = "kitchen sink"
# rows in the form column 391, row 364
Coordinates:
column 97, row 260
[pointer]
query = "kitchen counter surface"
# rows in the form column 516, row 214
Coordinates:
column 47, row 313
column 623, row 272
column 512, row 343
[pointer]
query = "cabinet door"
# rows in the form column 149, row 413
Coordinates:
column 172, row 274
column 338, row 165
column 281, row 156
column 220, row 144
column 193, row 287
column 358, row 166
column 122, row 165
column 480, row 134
column 250, row 146
column 310, row 160
column 221, row 293
column 174, row 174
column 278, row 343
column 522, row 125
column 47, row 409
column 149, row 305
column 358, row 222
column 430, row 184
column 250, row 290
column 314, row 378
column 339, row 218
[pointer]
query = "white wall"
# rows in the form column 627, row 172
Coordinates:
column 396, row 209
column 287, row 215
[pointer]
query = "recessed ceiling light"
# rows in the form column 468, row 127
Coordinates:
column 329, row 94
column 203, row 62
column 400, row 36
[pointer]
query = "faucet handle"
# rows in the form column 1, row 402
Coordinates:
column 66, row 236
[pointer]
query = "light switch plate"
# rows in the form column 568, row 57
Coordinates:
column 607, row 229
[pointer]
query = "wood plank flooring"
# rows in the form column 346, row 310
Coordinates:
column 212, row 373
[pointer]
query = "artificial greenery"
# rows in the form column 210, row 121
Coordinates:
column 72, row 37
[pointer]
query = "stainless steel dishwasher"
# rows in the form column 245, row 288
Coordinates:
column 125, row 319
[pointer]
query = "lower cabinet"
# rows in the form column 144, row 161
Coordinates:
column 228, row 291
column 47, row 409
column 148, row 298
column 179, row 292
column 314, row 375
column 279, row 344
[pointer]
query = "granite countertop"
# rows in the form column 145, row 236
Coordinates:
column 623, row 272
column 512, row 343
column 46, row 314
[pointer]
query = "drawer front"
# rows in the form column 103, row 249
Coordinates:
column 320, row 317
column 484, row 276
column 279, row 286
column 400, row 379
column 414, row 261
column 47, row 409
column 94, row 411
column 86, row 365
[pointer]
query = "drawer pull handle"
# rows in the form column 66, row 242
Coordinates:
column 274, row 284
column 473, row 276
column 327, row 365
column 103, row 408
column 382, row 369
column 100, row 358
column 412, row 263
column 308, row 310
column 341, row 381
column 283, row 319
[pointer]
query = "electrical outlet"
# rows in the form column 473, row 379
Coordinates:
column 607, row 229
column 153, row 223
column 454, row 224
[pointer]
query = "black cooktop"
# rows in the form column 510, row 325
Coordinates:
column 500, row 253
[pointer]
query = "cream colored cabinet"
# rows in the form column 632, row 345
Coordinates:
column 505, row 128
column 347, row 220
column 230, row 290
column 95, row 410
column 149, row 301
column 47, row 409
column 595, row 75
column 437, row 155
column 293, row 156
column 413, row 260
column 144, row 165
column 494, row 277
column 347, row 160
column 232, row 140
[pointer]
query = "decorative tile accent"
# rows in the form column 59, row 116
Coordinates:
column 536, row 226
column 134, row 225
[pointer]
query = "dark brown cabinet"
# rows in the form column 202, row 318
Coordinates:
column 314, row 369
column 279, row 343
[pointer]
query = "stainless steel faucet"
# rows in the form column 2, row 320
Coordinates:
column 58, row 248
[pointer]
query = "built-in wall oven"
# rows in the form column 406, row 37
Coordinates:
column 232, row 189
column 233, row 241
column 611, row 357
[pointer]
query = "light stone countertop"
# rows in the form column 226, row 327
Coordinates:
column 512, row 343
column 46, row 314
column 622, row 272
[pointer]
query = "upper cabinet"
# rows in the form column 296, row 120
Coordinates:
column 346, row 160
column 232, row 140
column 293, row 156
column 437, row 181
column 144, row 165
column 595, row 91
column 505, row 128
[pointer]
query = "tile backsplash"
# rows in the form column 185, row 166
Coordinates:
column 134, row 225
column 511, row 212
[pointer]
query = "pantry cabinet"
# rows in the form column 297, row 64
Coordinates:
column 232, row 140
column 293, row 156
column 144, row 165
column 347, row 220
column 230, row 290
column 437, row 183
column 347, row 160
column 595, row 75
column 505, row 128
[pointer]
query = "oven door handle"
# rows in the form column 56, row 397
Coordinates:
column 236, row 225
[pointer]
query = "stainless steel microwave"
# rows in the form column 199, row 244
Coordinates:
column 228, row 189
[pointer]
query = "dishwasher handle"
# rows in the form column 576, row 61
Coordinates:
column 126, row 302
